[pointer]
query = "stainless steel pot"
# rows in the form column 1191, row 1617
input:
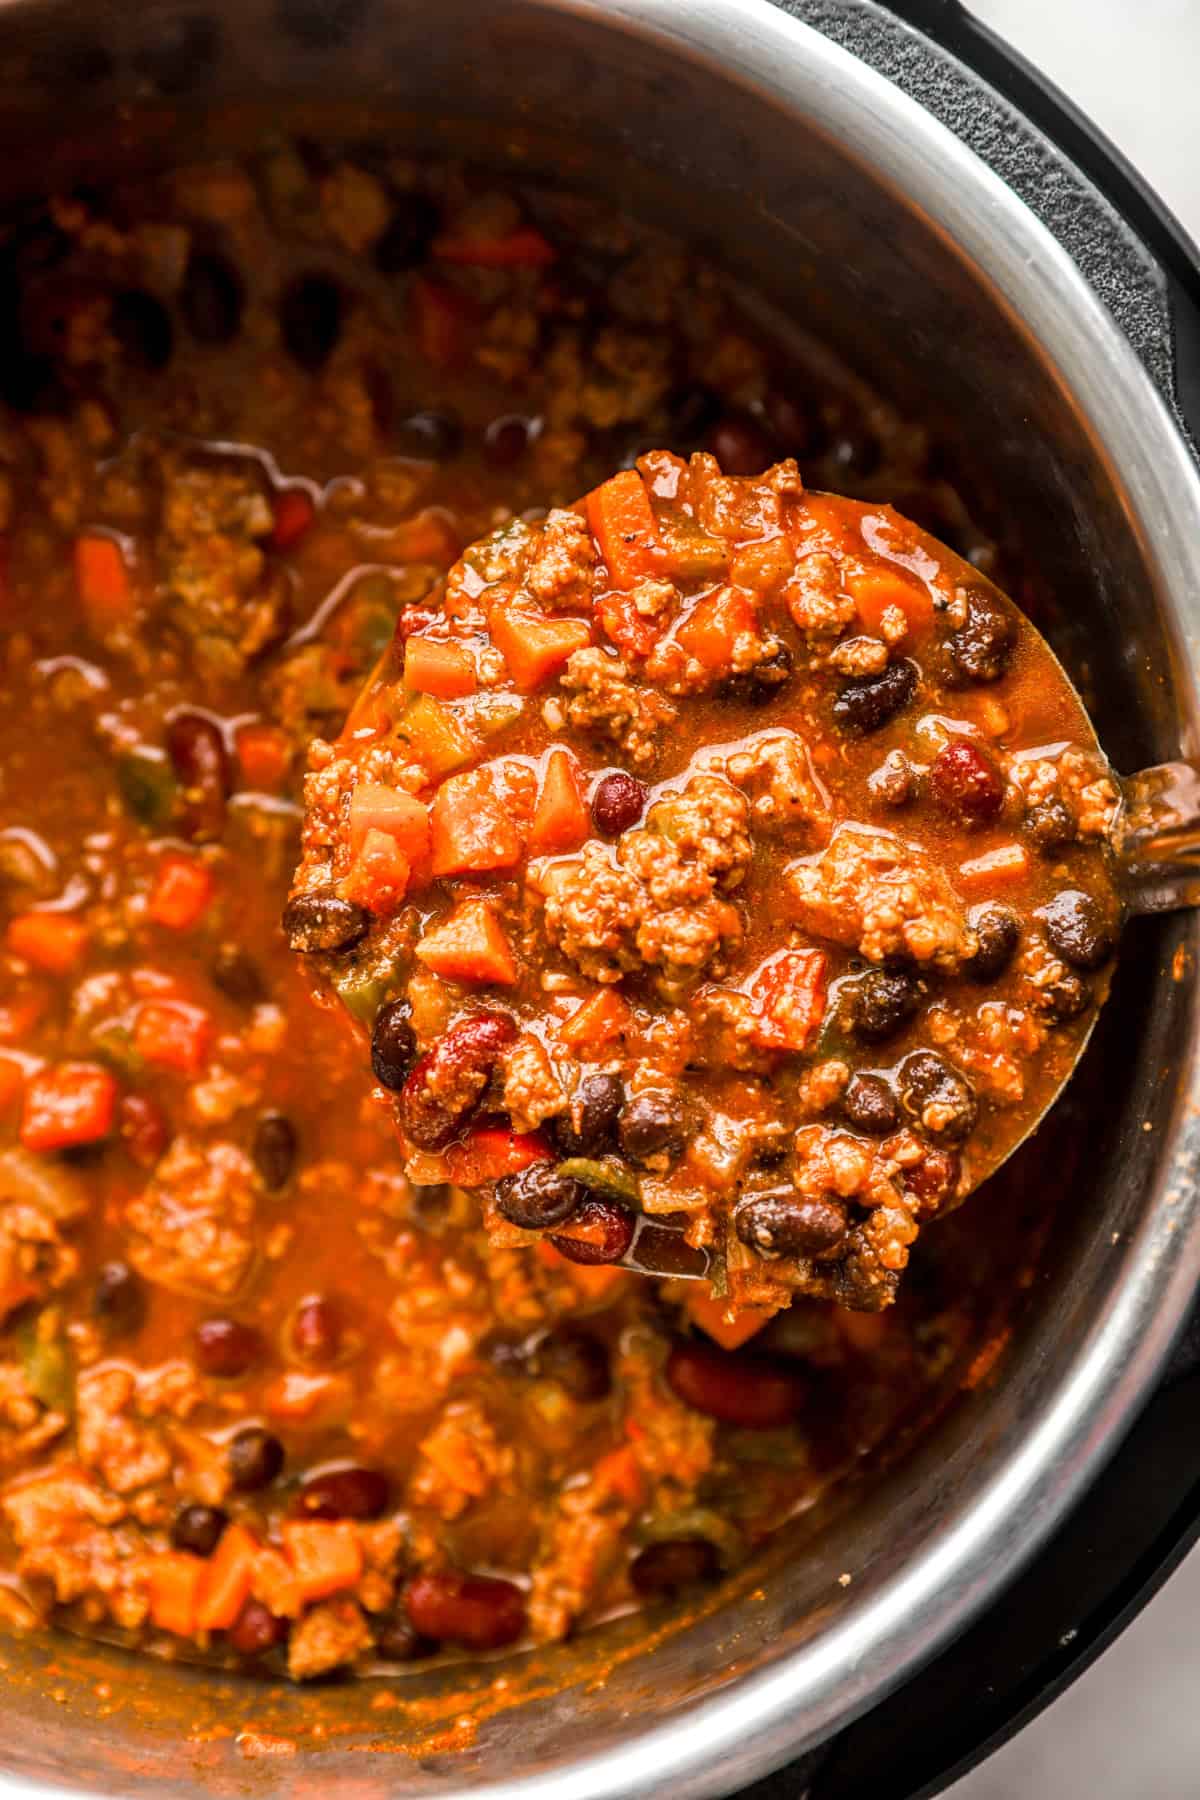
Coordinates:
column 841, row 201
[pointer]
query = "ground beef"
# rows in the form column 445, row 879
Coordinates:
column 775, row 772
column 215, row 516
column 607, row 704
column 38, row 1202
column 581, row 1544
column 460, row 1461
column 71, row 1538
column 27, row 1423
column 532, row 1090
column 734, row 506
column 559, row 572
column 1066, row 797
column 328, row 1637
column 873, row 892
column 192, row 1227
column 123, row 1421
column 814, row 596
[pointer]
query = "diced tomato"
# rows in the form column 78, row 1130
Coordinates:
column 171, row 1034
column 534, row 647
column 442, row 320
column 469, row 946
column 561, row 820
column 595, row 1281
column 228, row 1575
column 600, row 1019
column 492, row 1151
column 53, row 942
column 180, row 894
column 295, row 512
column 788, row 994
column 264, row 754
column 634, row 633
column 1002, row 867
column 729, row 1326
column 325, row 1554
column 877, row 589
column 710, row 632
column 102, row 578
column 378, row 877
column 374, row 807
column 67, row 1104
column 471, row 828
column 173, row 1590
column 524, row 248
column 435, row 667
column 622, row 522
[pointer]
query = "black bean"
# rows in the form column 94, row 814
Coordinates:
column 142, row 327
column 237, row 975
column 1077, row 929
column 310, row 319
column 506, row 440
column 606, row 1232
column 1062, row 1000
column 663, row 1569
column 227, row 1347
column 198, row 1529
column 618, row 802
column 198, row 755
column 589, row 1127
column 393, row 1044
column 880, row 1003
column 316, row 1329
column 870, row 1105
column 319, row 920
column 255, row 1458
column 867, row 702
column 537, row 1196
column 274, row 1150
column 937, row 1096
column 784, row 1223
column 760, row 685
column 398, row 1640
column 741, row 444
column 577, row 1361
column 981, row 649
column 409, row 233
column 256, row 1630
column 212, row 298
column 119, row 1299
column 652, row 1126
column 998, row 930
column 1050, row 825
column 429, row 436
column 349, row 1493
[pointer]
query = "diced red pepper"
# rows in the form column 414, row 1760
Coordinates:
column 442, row 320
column 181, row 893
column 295, row 511
column 524, row 248
column 535, row 648
column 173, row 1589
column 53, row 942
column 67, row 1104
column 561, row 820
column 472, row 829
column 492, row 1151
column 622, row 522
column 788, row 995
column 470, row 946
column 171, row 1034
column 101, row 575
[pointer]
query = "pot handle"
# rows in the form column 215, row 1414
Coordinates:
column 1104, row 244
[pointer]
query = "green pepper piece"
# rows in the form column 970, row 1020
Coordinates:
column 47, row 1361
column 692, row 553
column 493, row 713
column 436, row 735
column 148, row 786
column 610, row 1177
column 362, row 988
column 114, row 1043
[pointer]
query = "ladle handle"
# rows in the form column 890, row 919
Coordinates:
column 1156, row 838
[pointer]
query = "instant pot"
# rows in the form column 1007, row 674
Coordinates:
column 897, row 182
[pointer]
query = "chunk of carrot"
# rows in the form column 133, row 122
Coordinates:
column 728, row 1326
column 434, row 667
column 295, row 512
column 53, row 942
column 788, row 996
column 622, row 522
column 605, row 1015
column 470, row 946
column 102, row 578
column 228, row 1575
column 561, row 820
column 875, row 590
column 326, row 1555
column 171, row 1034
column 374, row 807
column 534, row 647
column 264, row 754
column 710, row 632
column 634, row 633
column 379, row 876
column 491, row 1151
column 67, row 1104
column 1005, row 866
column 471, row 830
column 524, row 248
column 173, row 1590
column 180, row 894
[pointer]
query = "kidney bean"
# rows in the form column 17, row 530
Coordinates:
column 429, row 436
column 256, row 1630
column 197, row 752
column 603, row 1232
column 761, row 684
column 506, row 440
column 880, row 1003
column 212, row 298
column 274, row 1150
column 663, row 1569
column 998, row 930
column 982, row 648
column 966, row 782
column 349, row 1493
column 1062, row 1000
column 446, row 1086
column 310, row 319
column 393, row 1044
column 142, row 327
column 589, row 1127
column 755, row 1393
column 783, row 1223
column 652, row 1126
column 255, row 1458
column 316, row 1333
column 119, row 1299
column 937, row 1096
column 409, row 233
column 226, row 1347
column 576, row 1360
column 537, row 1197
column 1077, row 930
column 1050, row 826
column 481, row 1612
column 236, row 974
column 397, row 1640
column 870, row 1105
column 318, row 921
column 198, row 1529
column 618, row 802
column 741, row 444
column 144, row 1129
column 867, row 702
